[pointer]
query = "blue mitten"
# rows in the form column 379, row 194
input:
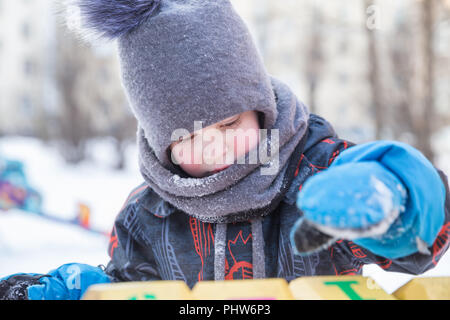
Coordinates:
column 68, row 282
column 384, row 196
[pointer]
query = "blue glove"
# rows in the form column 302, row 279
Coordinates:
column 384, row 196
column 68, row 282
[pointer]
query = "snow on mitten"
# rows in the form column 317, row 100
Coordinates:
column 385, row 196
column 351, row 201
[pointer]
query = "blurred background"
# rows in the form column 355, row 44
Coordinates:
column 376, row 69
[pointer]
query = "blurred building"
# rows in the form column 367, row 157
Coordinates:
column 321, row 49
column 26, row 63
column 47, row 74
column 88, row 78
column 318, row 47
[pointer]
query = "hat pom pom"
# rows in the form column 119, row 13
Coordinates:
column 110, row 19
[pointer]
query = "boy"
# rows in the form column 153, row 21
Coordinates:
column 199, row 215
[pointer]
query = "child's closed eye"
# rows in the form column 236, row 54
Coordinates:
column 233, row 123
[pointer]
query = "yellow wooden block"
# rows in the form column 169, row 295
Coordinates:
column 433, row 288
column 252, row 289
column 337, row 288
column 141, row 290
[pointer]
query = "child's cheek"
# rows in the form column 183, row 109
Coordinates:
column 181, row 155
column 188, row 160
column 244, row 144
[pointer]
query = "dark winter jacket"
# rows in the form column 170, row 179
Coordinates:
column 152, row 240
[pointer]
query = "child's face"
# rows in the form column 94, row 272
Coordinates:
column 214, row 148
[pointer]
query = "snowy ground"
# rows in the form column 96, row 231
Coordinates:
column 30, row 244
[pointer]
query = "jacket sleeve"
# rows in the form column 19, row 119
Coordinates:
column 131, row 253
column 68, row 282
column 428, row 208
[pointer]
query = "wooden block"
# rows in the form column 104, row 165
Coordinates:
column 337, row 288
column 433, row 288
column 141, row 290
column 251, row 289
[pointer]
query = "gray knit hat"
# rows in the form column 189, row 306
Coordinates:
column 183, row 61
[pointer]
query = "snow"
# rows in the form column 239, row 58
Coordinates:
column 190, row 182
column 383, row 195
column 29, row 243
column 92, row 182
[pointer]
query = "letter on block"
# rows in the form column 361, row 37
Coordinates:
column 337, row 288
column 260, row 289
column 140, row 290
column 435, row 288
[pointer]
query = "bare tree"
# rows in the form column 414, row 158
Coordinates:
column 314, row 57
column 124, row 132
column 73, row 123
column 373, row 61
column 428, row 108
column 401, row 94
column 263, row 16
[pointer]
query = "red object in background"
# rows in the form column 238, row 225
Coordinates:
column 84, row 215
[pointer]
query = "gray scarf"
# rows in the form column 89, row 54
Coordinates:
column 195, row 59
column 240, row 192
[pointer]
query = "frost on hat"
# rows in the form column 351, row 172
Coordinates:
column 182, row 61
